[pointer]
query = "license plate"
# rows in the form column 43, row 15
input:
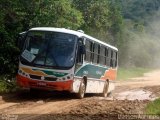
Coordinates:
column 41, row 84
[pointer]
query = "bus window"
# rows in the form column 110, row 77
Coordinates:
column 81, row 51
column 21, row 40
column 114, row 59
column 108, row 57
column 102, row 55
column 88, row 45
column 109, row 52
column 95, row 60
column 99, row 50
column 106, row 52
column 112, row 54
column 111, row 59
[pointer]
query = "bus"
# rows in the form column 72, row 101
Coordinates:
column 61, row 59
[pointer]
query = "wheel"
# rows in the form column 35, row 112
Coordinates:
column 105, row 89
column 82, row 90
column 109, row 94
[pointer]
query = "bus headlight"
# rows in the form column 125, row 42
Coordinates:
column 68, row 77
column 20, row 72
column 59, row 79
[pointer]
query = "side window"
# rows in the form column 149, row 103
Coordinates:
column 102, row 55
column 88, row 56
column 96, row 52
column 108, row 54
column 79, row 58
column 99, row 51
column 114, row 59
column 111, row 59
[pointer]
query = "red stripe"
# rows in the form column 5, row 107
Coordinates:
column 29, row 83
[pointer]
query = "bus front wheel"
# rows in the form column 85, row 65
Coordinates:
column 81, row 91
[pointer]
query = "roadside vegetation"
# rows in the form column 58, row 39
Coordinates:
column 126, row 73
column 153, row 108
column 7, row 85
column 130, row 25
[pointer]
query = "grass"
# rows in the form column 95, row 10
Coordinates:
column 153, row 107
column 126, row 73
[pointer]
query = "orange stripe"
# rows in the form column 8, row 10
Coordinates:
column 30, row 71
column 110, row 74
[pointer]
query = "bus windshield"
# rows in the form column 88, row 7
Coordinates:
column 52, row 49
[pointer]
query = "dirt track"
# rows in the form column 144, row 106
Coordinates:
column 128, row 98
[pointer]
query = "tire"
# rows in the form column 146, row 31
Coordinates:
column 109, row 94
column 82, row 90
column 105, row 89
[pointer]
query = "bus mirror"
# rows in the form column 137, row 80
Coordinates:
column 82, row 50
column 20, row 40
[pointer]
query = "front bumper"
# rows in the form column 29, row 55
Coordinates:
column 25, row 82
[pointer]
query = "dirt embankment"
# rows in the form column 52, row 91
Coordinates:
column 128, row 98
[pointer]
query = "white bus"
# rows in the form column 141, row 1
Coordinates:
column 66, row 60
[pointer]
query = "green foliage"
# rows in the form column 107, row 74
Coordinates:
column 153, row 108
column 126, row 73
column 19, row 15
column 139, row 44
column 50, row 13
column 8, row 30
column 7, row 85
column 139, row 10
column 102, row 18
column 139, row 47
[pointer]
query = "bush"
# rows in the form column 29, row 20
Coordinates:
column 7, row 85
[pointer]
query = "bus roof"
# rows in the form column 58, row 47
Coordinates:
column 77, row 33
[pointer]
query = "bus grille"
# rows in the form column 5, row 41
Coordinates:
column 50, row 78
column 35, row 77
column 45, row 78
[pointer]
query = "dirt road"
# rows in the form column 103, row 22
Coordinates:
column 129, row 97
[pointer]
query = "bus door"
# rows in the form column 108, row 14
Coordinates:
column 81, row 51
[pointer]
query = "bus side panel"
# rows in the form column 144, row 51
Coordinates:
column 94, row 86
column 110, row 74
column 93, row 74
column 91, row 71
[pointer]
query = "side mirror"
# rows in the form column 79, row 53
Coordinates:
column 82, row 50
column 81, row 46
column 20, row 40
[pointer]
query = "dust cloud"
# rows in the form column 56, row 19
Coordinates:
column 142, row 43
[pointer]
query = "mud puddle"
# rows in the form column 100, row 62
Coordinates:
column 138, row 94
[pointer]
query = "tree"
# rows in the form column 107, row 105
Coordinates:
column 50, row 13
column 102, row 19
column 19, row 15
